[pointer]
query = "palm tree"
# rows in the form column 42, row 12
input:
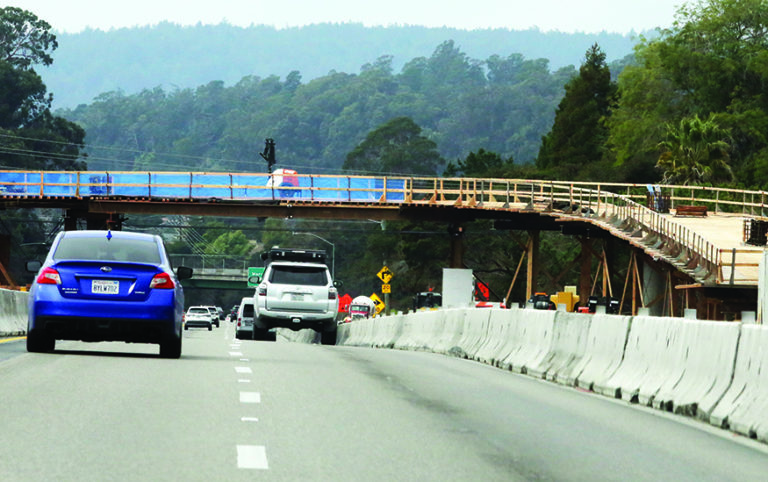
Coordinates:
column 695, row 152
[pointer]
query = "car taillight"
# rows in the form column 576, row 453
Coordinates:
column 49, row 276
column 162, row 280
column 238, row 322
column 332, row 294
column 262, row 291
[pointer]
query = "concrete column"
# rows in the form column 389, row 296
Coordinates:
column 533, row 263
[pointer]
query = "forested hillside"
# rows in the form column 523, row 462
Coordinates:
column 503, row 104
column 172, row 56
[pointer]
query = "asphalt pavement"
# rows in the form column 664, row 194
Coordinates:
column 245, row 410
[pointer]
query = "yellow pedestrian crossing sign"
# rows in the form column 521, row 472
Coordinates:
column 377, row 303
column 385, row 275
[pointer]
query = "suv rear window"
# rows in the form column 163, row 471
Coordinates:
column 103, row 249
column 299, row 275
column 248, row 310
column 198, row 310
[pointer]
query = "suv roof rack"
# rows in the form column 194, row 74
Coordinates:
column 292, row 254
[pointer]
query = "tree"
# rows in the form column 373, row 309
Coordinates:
column 579, row 133
column 25, row 40
column 30, row 136
column 695, row 151
column 714, row 60
column 481, row 164
column 396, row 147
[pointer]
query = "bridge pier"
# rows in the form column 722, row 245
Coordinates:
column 104, row 221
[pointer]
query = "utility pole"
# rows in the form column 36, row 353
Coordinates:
column 269, row 153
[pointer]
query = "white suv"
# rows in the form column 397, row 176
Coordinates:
column 296, row 292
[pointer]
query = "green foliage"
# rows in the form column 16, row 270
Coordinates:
column 395, row 147
column 482, row 164
column 30, row 136
column 579, row 132
column 711, row 62
column 453, row 99
column 694, row 152
column 25, row 40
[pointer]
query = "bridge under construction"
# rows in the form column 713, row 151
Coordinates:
column 690, row 247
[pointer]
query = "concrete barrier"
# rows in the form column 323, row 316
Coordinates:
column 743, row 408
column 604, row 351
column 448, row 341
column 648, row 339
column 569, row 342
column 709, row 354
column 420, row 329
column 535, row 333
column 501, row 333
column 475, row 332
column 387, row 331
column 13, row 312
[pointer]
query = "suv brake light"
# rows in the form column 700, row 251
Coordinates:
column 49, row 276
column 332, row 293
column 262, row 291
column 162, row 280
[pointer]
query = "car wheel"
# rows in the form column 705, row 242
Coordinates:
column 210, row 327
column 186, row 327
column 37, row 343
column 328, row 337
column 217, row 324
column 171, row 348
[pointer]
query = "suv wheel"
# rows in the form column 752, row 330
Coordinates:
column 263, row 334
column 328, row 337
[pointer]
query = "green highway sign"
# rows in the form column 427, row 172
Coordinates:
column 254, row 272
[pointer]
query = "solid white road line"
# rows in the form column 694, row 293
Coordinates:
column 243, row 370
column 252, row 457
column 250, row 397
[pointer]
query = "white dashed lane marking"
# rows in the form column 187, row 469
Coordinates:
column 249, row 419
column 250, row 397
column 243, row 370
column 252, row 457
column 235, row 353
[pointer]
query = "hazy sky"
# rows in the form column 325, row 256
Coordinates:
column 564, row 15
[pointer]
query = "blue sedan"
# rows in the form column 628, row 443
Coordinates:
column 106, row 286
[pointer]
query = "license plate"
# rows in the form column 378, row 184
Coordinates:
column 297, row 297
column 105, row 287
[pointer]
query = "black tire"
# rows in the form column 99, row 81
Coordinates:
column 210, row 327
column 328, row 337
column 263, row 335
column 37, row 343
column 217, row 324
column 186, row 327
column 171, row 348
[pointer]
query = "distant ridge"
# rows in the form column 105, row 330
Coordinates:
column 172, row 56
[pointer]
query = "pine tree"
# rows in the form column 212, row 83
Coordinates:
column 579, row 132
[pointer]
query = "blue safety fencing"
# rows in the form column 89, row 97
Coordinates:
column 191, row 185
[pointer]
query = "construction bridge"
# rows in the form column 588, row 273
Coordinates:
column 692, row 247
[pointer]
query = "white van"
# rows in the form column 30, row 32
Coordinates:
column 244, row 326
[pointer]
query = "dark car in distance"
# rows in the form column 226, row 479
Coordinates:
column 106, row 286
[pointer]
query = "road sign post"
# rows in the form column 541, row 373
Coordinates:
column 385, row 275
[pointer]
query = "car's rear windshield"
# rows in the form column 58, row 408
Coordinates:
column 198, row 310
column 103, row 249
column 248, row 310
column 299, row 275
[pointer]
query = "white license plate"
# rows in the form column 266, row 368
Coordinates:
column 297, row 297
column 106, row 287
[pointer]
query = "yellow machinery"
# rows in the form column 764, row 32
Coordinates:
column 569, row 298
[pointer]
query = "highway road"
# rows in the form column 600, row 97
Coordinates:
column 231, row 410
